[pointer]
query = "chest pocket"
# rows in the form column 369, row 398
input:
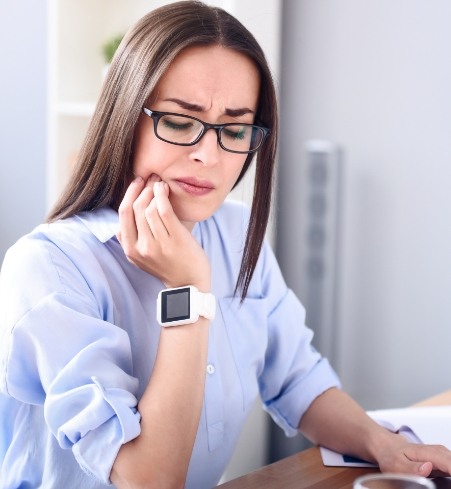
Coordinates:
column 246, row 328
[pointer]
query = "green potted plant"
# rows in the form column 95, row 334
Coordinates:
column 109, row 47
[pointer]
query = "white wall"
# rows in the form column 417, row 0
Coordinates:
column 375, row 77
column 22, row 118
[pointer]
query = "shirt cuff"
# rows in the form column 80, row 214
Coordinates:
column 114, row 421
column 288, row 409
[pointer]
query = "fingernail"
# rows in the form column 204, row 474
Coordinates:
column 162, row 187
column 422, row 468
column 157, row 186
column 138, row 179
column 152, row 179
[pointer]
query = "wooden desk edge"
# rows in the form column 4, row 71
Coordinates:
column 443, row 399
column 268, row 476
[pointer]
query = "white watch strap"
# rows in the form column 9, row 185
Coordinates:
column 205, row 305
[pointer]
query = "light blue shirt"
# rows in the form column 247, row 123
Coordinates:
column 78, row 340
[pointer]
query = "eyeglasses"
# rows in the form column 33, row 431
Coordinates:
column 184, row 130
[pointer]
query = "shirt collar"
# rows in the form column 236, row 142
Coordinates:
column 103, row 223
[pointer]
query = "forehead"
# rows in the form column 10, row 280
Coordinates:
column 211, row 76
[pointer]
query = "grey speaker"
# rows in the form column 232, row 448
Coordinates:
column 319, row 222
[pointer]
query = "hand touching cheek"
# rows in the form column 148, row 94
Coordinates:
column 154, row 239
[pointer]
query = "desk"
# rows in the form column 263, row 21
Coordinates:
column 305, row 470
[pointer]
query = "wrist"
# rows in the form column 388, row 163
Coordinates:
column 382, row 442
column 201, row 280
column 184, row 305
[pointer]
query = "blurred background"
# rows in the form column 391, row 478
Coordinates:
column 360, row 222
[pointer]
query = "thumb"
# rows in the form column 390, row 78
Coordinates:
column 424, row 469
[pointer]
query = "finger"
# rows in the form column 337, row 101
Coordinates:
column 127, row 226
column 165, row 210
column 424, row 469
column 429, row 457
column 406, row 466
column 146, row 195
column 141, row 204
column 155, row 221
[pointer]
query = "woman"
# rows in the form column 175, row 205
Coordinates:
column 140, row 323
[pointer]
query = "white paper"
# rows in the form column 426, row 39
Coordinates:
column 429, row 425
column 334, row 459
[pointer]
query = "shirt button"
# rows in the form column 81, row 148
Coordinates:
column 210, row 369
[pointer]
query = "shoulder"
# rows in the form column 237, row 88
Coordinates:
column 49, row 260
column 69, row 237
column 36, row 249
column 30, row 254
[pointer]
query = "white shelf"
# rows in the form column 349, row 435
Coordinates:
column 77, row 31
column 76, row 109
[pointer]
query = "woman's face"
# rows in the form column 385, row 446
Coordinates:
column 216, row 85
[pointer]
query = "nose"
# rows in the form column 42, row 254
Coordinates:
column 207, row 150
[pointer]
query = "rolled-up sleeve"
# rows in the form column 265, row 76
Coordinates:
column 80, row 368
column 294, row 372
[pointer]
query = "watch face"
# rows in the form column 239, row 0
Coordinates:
column 175, row 305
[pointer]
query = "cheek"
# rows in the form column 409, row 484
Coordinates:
column 144, row 164
column 234, row 170
column 151, row 156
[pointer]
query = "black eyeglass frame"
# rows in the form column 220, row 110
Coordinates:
column 156, row 116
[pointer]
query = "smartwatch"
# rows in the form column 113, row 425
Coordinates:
column 184, row 305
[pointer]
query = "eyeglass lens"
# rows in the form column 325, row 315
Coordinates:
column 184, row 130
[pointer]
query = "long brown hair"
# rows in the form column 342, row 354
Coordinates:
column 104, row 166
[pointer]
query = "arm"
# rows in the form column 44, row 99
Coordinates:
column 155, row 240
column 170, row 411
column 336, row 421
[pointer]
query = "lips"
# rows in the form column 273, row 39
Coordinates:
column 194, row 186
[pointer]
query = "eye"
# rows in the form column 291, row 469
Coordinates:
column 177, row 124
column 235, row 132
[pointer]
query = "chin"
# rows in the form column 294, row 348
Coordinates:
column 193, row 214
column 193, row 217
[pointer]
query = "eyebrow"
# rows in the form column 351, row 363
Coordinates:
column 198, row 108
